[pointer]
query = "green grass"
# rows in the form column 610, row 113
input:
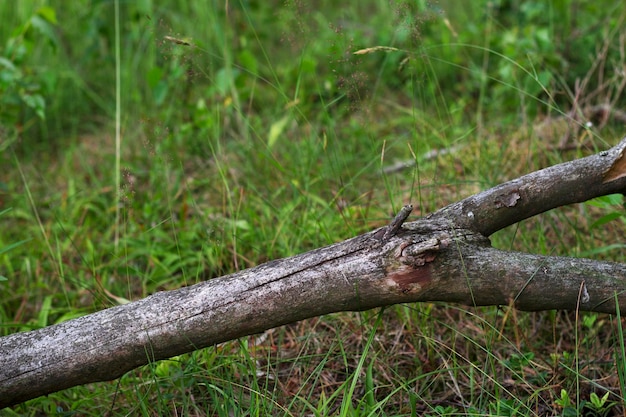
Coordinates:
column 254, row 133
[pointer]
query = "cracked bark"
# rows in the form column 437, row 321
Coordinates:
column 445, row 256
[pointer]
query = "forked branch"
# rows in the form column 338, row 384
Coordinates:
column 443, row 257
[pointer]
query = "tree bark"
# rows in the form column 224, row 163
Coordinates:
column 445, row 256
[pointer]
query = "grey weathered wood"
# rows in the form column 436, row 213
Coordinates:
column 559, row 185
column 443, row 257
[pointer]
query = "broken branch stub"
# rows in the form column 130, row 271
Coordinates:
column 617, row 169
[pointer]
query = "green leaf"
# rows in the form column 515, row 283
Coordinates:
column 37, row 103
column 224, row 79
column 159, row 86
column 249, row 62
column 154, row 76
column 12, row 246
column 241, row 224
column 598, row 402
column 276, row 130
column 607, row 201
column 48, row 14
column 44, row 313
column 8, row 64
column 564, row 401
column 607, row 218
column 45, row 29
column 603, row 249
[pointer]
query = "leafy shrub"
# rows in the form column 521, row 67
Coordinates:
column 23, row 87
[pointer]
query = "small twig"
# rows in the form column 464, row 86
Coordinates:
column 396, row 223
column 432, row 154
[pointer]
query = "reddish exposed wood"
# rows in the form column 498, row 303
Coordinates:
column 411, row 279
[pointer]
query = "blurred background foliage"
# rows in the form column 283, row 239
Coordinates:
column 503, row 55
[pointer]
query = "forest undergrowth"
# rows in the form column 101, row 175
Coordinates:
column 148, row 147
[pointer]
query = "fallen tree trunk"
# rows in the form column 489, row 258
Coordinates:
column 445, row 256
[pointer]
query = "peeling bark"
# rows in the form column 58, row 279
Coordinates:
column 617, row 169
column 445, row 256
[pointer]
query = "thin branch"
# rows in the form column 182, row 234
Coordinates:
column 559, row 185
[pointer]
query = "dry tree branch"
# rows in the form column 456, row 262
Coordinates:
column 445, row 256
